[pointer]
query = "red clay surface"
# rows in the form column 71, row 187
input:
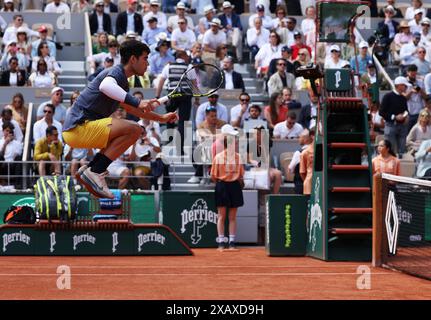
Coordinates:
column 247, row 274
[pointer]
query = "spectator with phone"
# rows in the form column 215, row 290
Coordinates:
column 415, row 96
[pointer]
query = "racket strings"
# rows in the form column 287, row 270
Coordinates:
column 193, row 86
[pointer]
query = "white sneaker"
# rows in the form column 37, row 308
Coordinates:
column 194, row 179
column 95, row 183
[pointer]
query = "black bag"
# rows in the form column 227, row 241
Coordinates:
column 19, row 215
column 55, row 198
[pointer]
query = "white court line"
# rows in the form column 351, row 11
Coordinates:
column 181, row 266
column 195, row 274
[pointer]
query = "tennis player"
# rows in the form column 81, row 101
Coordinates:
column 88, row 123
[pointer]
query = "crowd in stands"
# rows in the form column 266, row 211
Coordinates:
column 272, row 42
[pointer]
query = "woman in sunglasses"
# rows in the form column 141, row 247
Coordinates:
column 44, row 53
column 42, row 78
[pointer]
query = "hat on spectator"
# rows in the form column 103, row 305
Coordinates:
column 131, row 34
column 180, row 5
column 43, row 28
column 55, row 89
column 335, row 47
column 227, row 4
column 260, row 7
column 215, row 22
column 228, row 130
column 196, row 60
column 402, row 80
column 132, row 1
column 10, row 42
column 208, row 8
column 363, row 44
column 370, row 64
column 426, row 20
column 418, row 11
column 109, row 59
column 21, row 30
column 163, row 43
column 417, row 35
column 390, row 8
column 98, row 2
column 215, row 93
column 152, row 19
column 297, row 33
column 286, row 49
column 8, row 1
column 154, row 3
column 404, row 24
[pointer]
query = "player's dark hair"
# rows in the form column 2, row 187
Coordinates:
column 131, row 48
column 50, row 130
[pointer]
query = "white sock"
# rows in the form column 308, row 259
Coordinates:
column 231, row 238
column 220, row 239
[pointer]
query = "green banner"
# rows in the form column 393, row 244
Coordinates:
column 315, row 222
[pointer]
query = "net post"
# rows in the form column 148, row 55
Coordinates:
column 378, row 225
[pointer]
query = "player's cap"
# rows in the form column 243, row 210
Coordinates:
column 390, row 8
column 227, row 4
column 417, row 35
column 43, row 28
column 426, row 20
column 228, row 130
column 154, row 3
column 363, row 44
column 55, row 89
column 260, row 7
column 402, row 80
column 286, row 49
column 418, row 11
column 180, row 5
column 152, row 19
column 334, row 47
column 208, row 8
column 215, row 22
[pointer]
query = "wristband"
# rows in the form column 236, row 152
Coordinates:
column 131, row 100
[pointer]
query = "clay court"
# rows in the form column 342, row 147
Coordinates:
column 209, row 274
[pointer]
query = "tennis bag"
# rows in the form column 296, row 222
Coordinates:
column 19, row 215
column 55, row 198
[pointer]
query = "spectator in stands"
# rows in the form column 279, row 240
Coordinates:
column 49, row 148
column 288, row 129
column 363, row 58
column 411, row 11
column 198, row 6
column 420, row 132
column 211, row 40
column 308, row 115
column 19, row 110
column 423, row 160
column 409, row 51
column 403, row 37
column 255, row 113
column 202, row 77
column 129, row 20
column 299, row 44
column 395, row 112
column 102, row 43
column 75, row 94
column 152, row 127
column 99, row 58
column 287, row 34
column 415, row 23
column 31, row 4
column 155, row 12
column 43, row 37
column 280, row 18
column 110, row 7
column 241, row 111
column 9, row 6
column 222, row 113
column 286, row 55
column 57, row 101
column 302, row 60
column 100, row 21
column 12, row 51
column 287, row 95
column 204, row 22
column 206, row 133
column 280, row 79
column 276, row 112
column 386, row 160
column 387, row 28
column 306, row 159
column 268, row 52
column 425, row 32
column 376, row 122
column 266, row 20
column 22, row 43
column 257, row 37
column 196, row 51
column 82, row 6
column 335, row 61
column 308, row 23
column 427, row 84
column 232, row 26
column 42, row 78
column 13, row 76
column 415, row 96
column 10, row 32
column 229, row 182
column 57, row 6
column 10, row 151
column 159, row 59
column 6, row 116
column 173, row 21
column 78, row 158
column 48, row 120
column 423, row 65
column 231, row 80
column 182, row 38
column 149, row 36
column 43, row 53
column 108, row 63
column 397, row 12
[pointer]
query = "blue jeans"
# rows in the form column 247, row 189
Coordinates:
column 396, row 133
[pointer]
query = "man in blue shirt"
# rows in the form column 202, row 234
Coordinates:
column 150, row 33
column 363, row 58
column 89, row 123
column 159, row 59
column 43, row 36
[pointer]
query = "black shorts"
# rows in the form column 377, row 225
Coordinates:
column 228, row 194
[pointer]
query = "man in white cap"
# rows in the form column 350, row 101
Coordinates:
column 212, row 39
column 397, row 12
column 335, row 61
column 57, row 6
column 180, row 9
column 411, row 11
column 204, row 22
column 425, row 32
column 415, row 23
column 363, row 58
column 183, row 38
column 198, row 6
column 57, row 102
column 395, row 112
column 232, row 26
column 266, row 20
column 162, row 21
column 388, row 27
column 11, row 50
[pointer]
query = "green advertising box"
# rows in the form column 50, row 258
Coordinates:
column 286, row 232
column 337, row 80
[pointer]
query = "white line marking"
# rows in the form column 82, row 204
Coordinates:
column 176, row 267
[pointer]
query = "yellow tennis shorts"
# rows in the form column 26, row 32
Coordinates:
column 90, row 134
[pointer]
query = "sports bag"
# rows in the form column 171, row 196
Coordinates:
column 19, row 215
column 55, row 198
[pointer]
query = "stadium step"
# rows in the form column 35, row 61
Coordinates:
column 350, row 189
column 351, row 231
column 348, row 167
column 347, row 145
column 351, row 210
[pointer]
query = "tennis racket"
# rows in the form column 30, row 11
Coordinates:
column 189, row 86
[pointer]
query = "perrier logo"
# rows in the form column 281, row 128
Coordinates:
column 198, row 216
